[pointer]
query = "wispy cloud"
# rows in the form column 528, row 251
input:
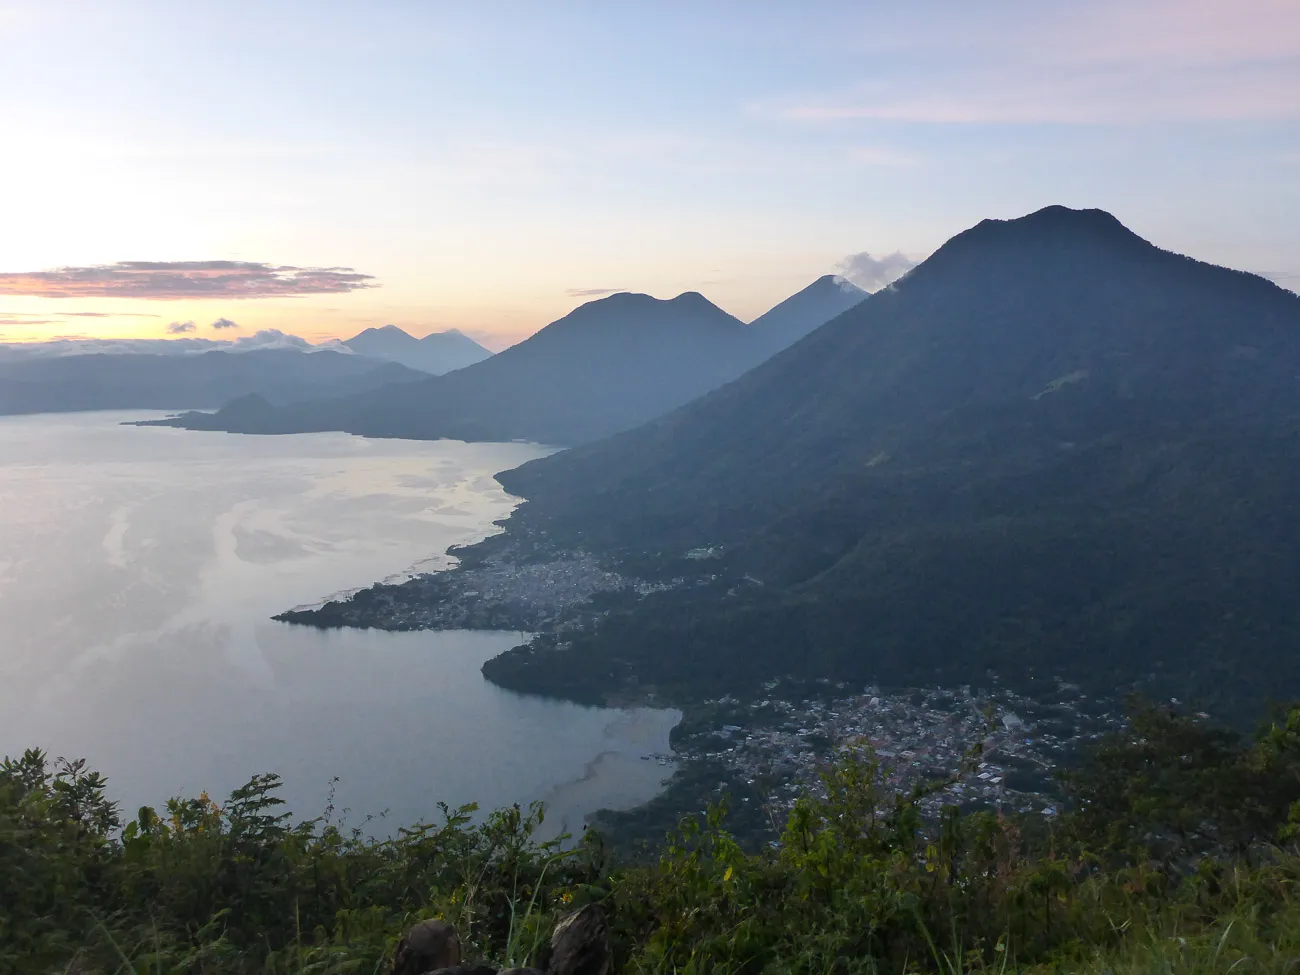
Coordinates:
column 170, row 280
column 273, row 338
column 221, row 323
column 29, row 321
column 78, row 314
column 107, row 314
column 882, row 156
column 180, row 328
column 592, row 292
column 873, row 273
column 1108, row 62
column 1104, row 97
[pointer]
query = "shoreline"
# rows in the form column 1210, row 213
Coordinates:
column 631, row 774
column 760, row 748
column 506, row 582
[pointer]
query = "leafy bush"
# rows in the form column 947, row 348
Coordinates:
column 1175, row 857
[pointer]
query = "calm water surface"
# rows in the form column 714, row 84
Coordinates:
column 138, row 571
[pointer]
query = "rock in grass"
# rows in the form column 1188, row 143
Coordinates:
column 580, row 944
column 428, row 946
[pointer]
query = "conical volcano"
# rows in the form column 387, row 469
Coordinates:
column 1052, row 447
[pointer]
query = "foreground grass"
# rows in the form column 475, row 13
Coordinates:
column 1178, row 857
column 1236, row 944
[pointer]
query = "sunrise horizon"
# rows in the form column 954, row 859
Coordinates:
column 496, row 487
column 481, row 168
column 489, row 168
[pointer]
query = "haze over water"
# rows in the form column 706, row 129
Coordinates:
column 138, row 571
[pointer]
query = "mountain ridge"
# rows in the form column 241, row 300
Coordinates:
column 1048, row 417
column 607, row 366
column 142, row 380
column 806, row 310
column 436, row 353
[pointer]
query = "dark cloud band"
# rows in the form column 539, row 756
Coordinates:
column 171, row 280
column 592, row 292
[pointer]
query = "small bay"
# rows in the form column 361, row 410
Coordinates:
column 138, row 571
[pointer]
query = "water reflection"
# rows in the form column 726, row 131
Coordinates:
column 138, row 569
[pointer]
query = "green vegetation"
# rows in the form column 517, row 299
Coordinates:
column 1176, row 855
column 1147, row 564
column 898, row 503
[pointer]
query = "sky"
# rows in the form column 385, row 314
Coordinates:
column 323, row 167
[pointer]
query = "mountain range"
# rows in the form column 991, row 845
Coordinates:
column 786, row 323
column 436, row 353
column 154, row 381
column 1050, row 449
column 609, row 365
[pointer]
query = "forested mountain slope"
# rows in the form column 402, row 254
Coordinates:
column 1052, row 447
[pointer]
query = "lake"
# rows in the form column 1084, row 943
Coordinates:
column 139, row 567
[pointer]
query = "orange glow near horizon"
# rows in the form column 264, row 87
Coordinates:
column 507, row 318
column 436, row 166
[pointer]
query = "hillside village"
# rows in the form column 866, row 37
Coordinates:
column 991, row 748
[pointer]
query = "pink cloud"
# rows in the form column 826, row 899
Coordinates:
column 1107, row 62
column 10, row 318
column 171, row 280
column 1183, row 32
